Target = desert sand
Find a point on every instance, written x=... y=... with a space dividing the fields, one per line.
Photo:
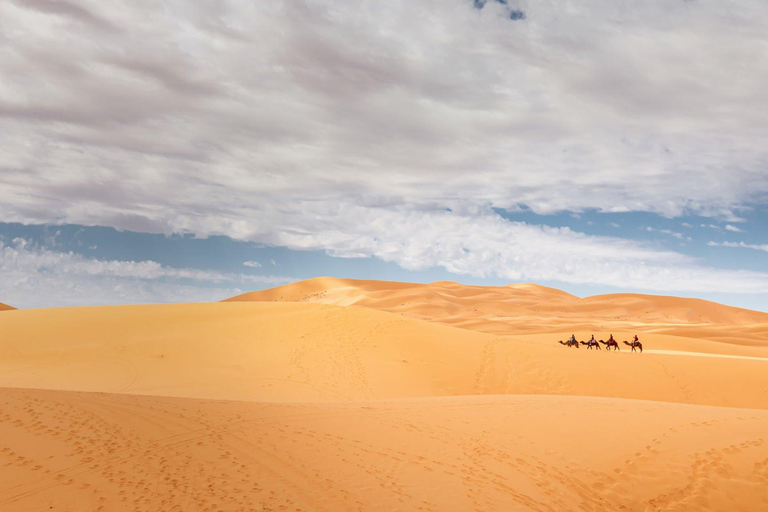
x=334 y=394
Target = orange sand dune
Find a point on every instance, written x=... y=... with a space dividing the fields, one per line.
x=362 y=395
x=523 y=308
x=304 y=352
x=99 y=452
x=6 y=307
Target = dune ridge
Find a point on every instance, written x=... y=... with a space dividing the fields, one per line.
x=522 y=308
x=6 y=307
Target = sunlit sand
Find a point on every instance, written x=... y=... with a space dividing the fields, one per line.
x=336 y=394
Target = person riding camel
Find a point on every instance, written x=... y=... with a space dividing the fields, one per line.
x=593 y=338
x=635 y=344
x=573 y=338
x=611 y=339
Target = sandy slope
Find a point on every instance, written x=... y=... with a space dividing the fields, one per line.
x=6 y=307
x=275 y=351
x=362 y=395
x=97 y=452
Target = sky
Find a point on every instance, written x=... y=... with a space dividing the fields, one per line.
x=188 y=151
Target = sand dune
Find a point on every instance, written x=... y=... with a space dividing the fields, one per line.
x=524 y=308
x=98 y=452
x=6 y=307
x=361 y=395
x=304 y=352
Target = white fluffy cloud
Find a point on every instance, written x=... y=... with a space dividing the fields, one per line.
x=482 y=244
x=39 y=277
x=352 y=126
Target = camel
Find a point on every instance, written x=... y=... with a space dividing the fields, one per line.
x=590 y=344
x=634 y=345
x=610 y=343
x=569 y=343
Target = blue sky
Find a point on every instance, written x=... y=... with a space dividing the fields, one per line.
x=595 y=147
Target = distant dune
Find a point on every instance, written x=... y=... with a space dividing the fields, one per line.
x=334 y=394
x=525 y=308
x=5 y=307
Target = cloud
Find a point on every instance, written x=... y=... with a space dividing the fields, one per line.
x=67 y=10
x=252 y=264
x=484 y=245
x=730 y=227
x=324 y=98
x=313 y=124
x=757 y=247
x=40 y=277
x=669 y=232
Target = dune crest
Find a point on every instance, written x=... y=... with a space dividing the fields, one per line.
x=529 y=308
x=6 y=307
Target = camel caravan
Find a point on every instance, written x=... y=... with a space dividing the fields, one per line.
x=611 y=343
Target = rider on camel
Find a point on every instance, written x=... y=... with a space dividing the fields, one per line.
x=636 y=339
x=611 y=339
x=573 y=338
